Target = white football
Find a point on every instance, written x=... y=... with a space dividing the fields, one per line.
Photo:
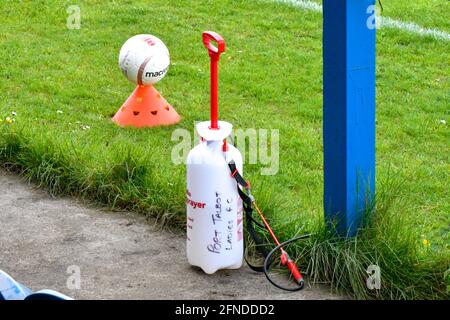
x=144 y=59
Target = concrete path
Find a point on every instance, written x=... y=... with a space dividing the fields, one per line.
x=119 y=255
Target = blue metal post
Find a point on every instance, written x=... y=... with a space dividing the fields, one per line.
x=348 y=113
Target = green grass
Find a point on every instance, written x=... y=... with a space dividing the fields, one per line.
x=47 y=67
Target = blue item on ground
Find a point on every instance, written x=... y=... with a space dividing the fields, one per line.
x=10 y=289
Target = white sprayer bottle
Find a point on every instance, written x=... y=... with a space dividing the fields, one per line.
x=214 y=207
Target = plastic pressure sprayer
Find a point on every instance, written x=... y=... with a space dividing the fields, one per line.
x=214 y=209
x=216 y=198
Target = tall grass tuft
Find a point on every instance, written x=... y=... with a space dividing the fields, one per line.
x=389 y=241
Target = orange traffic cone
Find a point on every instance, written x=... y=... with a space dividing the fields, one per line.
x=146 y=108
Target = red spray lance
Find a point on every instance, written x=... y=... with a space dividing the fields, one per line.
x=235 y=165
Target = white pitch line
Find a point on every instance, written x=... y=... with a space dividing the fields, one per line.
x=411 y=27
x=386 y=22
x=308 y=5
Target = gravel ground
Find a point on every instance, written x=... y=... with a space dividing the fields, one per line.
x=119 y=255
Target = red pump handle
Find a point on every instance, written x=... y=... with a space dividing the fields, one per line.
x=214 y=54
x=213 y=51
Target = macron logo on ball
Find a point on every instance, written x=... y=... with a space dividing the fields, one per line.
x=156 y=74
